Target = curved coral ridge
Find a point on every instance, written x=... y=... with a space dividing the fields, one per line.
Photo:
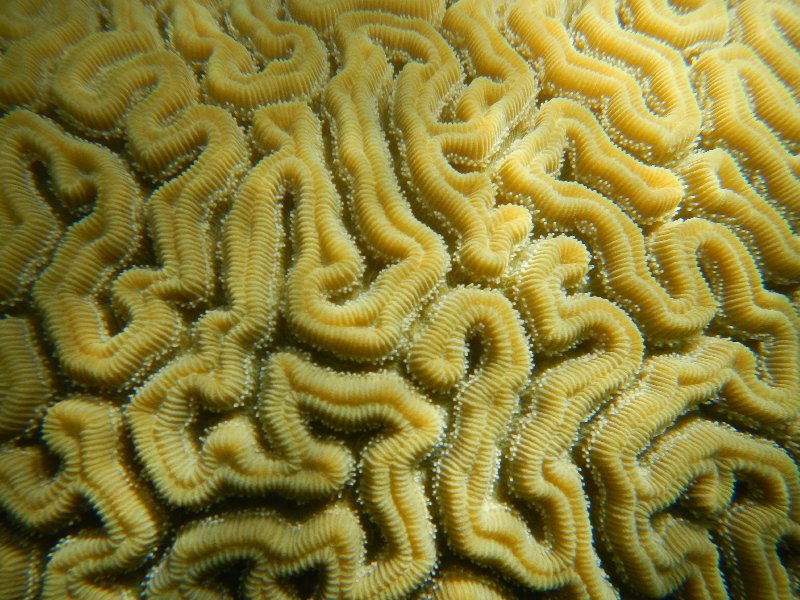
x=410 y=299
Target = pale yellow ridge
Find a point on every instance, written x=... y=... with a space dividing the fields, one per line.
x=33 y=34
x=459 y=583
x=476 y=524
x=389 y=490
x=29 y=227
x=643 y=461
x=565 y=396
x=688 y=300
x=583 y=65
x=85 y=434
x=273 y=548
x=367 y=324
x=772 y=29
x=717 y=190
x=326 y=261
x=697 y=25
x=219 y=372
x=529 y=175
x=26 y=383
x=163 y=130
x=750 y=113
x=89 y=254
x=463 y=203
x=499 y=96
x=21 y=566
x=322 y=14
x=748 y=312
x=232 y=76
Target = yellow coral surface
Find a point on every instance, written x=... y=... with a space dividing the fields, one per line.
x=399 y=299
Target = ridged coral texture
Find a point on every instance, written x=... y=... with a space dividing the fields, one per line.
x=371 y=299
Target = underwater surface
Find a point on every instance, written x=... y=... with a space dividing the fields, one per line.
x=399 y=299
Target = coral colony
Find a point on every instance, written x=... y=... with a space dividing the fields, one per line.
x=399 y=299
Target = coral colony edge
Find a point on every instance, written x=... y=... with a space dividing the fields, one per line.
x=399 y=299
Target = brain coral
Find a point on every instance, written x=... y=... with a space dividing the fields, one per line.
x=399 y=299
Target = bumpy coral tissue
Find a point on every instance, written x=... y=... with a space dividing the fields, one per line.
x=399 y=299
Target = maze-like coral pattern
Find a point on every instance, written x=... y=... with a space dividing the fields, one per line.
x=412 y=299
